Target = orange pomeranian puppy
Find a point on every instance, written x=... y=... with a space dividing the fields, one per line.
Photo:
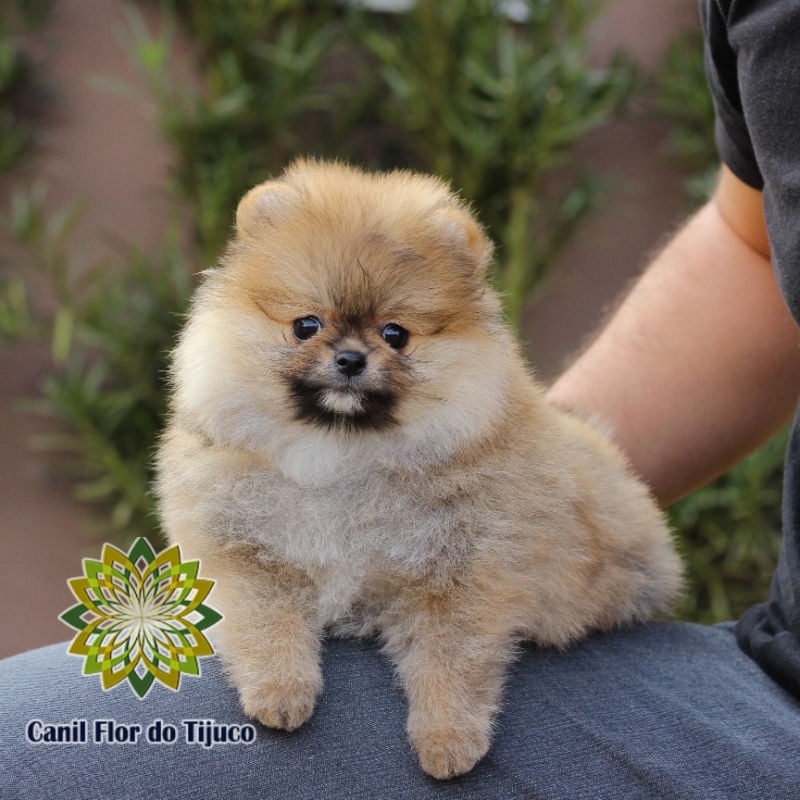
x=356 y=446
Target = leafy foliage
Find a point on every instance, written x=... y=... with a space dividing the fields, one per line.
x=18 y=89
x=492 y=108
x=730 y=536
x=20 y=99
x=256 y=104
x=16 y=319
x=116 y=321
x=453 y=88
x=684 y=98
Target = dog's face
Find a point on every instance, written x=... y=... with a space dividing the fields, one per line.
x=351 y=304
x=348 y=371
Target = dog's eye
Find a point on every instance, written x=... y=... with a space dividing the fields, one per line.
x=306 y=327
x=395 y=336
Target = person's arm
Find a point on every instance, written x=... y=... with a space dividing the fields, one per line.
x=701 y=363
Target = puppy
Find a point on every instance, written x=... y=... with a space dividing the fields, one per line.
x=356 y=446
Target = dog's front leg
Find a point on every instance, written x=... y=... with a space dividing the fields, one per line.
x=452 y=662
x=269 y=637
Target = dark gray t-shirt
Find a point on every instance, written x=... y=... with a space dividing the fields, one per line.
x=753 y=69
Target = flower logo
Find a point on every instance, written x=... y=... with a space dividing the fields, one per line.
x=140 y=617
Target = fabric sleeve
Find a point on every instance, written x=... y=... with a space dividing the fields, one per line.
x=730 y=131
x=753 y=60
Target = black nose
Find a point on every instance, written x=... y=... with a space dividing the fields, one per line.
x=351 y=362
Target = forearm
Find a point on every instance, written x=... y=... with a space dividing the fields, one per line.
x=700 y=364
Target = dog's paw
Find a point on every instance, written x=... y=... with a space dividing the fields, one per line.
x=285 y=705
x=445 y=752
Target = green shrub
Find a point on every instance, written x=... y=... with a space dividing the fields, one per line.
x=19 y=92
x=21 y=98
x=258 y=102
x=730 y=535
x=115 y=323
x=452 y=88
x=493 y=109
x=683 y=97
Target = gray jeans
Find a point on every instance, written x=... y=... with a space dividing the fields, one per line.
x=670 y=711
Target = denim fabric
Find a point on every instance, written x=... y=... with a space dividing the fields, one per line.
x=672 y=711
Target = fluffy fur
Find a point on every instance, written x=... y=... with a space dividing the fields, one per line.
x=436 y=499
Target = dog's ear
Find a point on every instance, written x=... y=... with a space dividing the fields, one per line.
x=264 y=204
x=458 y=226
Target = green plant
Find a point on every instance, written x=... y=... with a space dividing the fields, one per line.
x=19 y=92
x=493 y=107
x=730 y=536
x=253 y=107
x=20 y=98
x=455 y=88
x=683 y=97
x=114 y=325
x=16 y=320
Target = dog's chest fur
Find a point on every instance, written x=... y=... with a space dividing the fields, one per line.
x=353 y=531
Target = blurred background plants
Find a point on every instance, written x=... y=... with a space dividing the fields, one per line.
x=682 y=96
x=257 y=96
x=114 y=322
x=21 y=101
x=20 y=94
x=495 y=107
x=491 y=103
